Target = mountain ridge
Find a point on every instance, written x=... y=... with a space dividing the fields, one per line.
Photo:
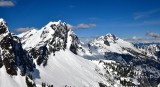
x=54 y=56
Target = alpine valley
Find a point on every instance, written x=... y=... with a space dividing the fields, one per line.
x=54 y=56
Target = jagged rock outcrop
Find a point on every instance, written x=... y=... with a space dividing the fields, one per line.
x=12 y=55
x=55 y=36
x=54 y=55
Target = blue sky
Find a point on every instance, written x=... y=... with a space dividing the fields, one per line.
x=124 y=18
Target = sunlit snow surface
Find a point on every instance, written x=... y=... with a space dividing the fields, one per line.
x=11 y=81
x=66 y=68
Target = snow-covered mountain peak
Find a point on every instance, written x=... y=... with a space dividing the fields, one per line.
x=112 y=36
x=54 y=24
x=3 y=27
x=58 y=31
x=48 y=59
x=111 y=43
x=55 y=36
x=2 y=21
x=108 y=38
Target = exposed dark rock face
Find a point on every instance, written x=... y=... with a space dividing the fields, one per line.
x=148 y=65
x=129 y=63
x=3 y=27
x=42 y=55
x=59 y=38
x=111 y=36
x=101 y=84
x=74 y=46
x=1 y=63
x=9 y=59
x=12 y=54
x=106 y=43
x=56 y=42
x=158 y=55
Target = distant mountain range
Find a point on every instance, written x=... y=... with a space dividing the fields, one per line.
x=54 y=56
x=147 y=44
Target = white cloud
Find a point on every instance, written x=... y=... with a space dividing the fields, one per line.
x=6 y=3
x=145 y=39
x=152 y=34
x=83 y=26
x=135 y=38
x=20 y=30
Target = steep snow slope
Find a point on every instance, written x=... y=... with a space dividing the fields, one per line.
x=54 y=49
x=66 y=68
x=7 y=80
x=54 y=56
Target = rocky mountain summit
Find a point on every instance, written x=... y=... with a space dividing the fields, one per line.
x=54 y=56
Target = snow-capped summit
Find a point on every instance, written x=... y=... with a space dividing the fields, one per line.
x=108 y=38
x=111 y=37
x=21 y=67
x=2 y=22
x=53 y=49
x=111 y=43
x=59 y=31
x=53 y=56
x=3 y=27
x=54 y=36
x=54 y=23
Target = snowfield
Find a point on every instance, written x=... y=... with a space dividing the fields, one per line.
x=11 y=81
x=55 y=56
x=66 y=68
